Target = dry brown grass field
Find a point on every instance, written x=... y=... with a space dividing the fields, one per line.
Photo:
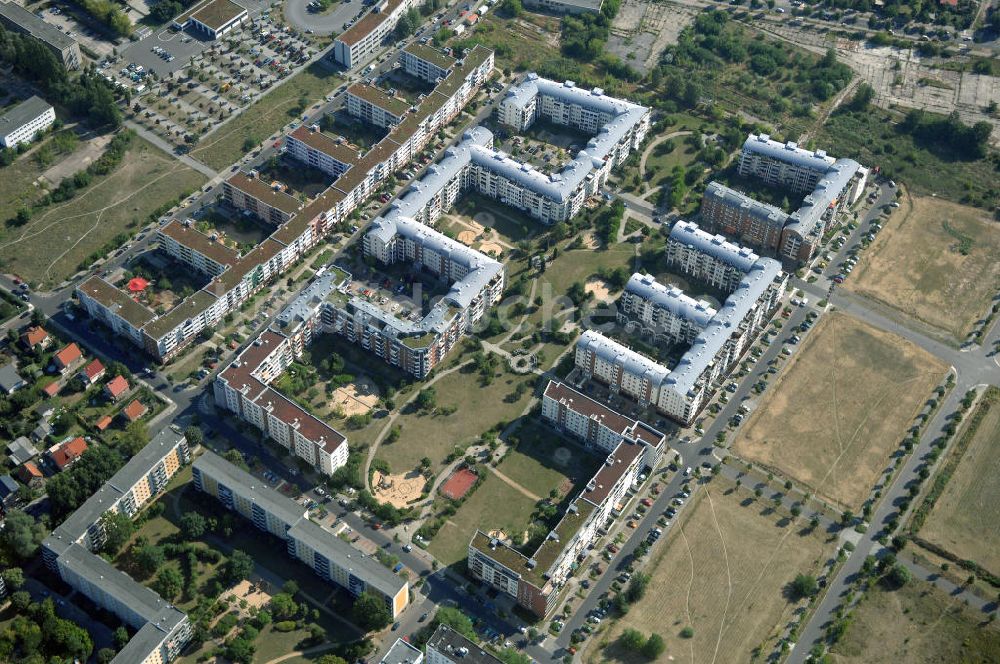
x=722 y=571
x=839 y=409
x=936 y=261
x=964 y=520
x=917 y=624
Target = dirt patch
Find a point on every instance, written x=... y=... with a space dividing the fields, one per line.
x=467 y=237
x=935 y=261
x=398 y=490
x=254 y=595
x=841 y=408
x=590 y=240
x=79 y=160
x=355 y=398
x=599 y=289
x=491 y=248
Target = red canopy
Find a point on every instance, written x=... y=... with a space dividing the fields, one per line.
x=137 y=285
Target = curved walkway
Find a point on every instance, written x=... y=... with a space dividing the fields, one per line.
x=656 y=141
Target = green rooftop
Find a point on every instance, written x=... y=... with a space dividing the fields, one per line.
x=422 y=341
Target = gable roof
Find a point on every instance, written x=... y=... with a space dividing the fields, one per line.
x=67 y=452
x=29 y=471
x=134 y=410
x=103 y=423
x=34 y=335
x=68 y=354
x=51 y=389
x=117 y=386
x=10 y=380
x=21 y=450
x=94 y=369
x=8 y=486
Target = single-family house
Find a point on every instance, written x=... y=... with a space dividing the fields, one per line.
x=8 y=489
x=10 y=380
x=67 y=358
x=42 y=431
x=30 y=474
x=35 y=337
x=68 y=452
x=134 y=410
x=51 y=390
x=45 y=409
x=116 y=387
x=21 y=450
x=92 y=373
x=103 y=423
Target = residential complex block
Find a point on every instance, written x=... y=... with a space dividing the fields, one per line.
x=162 y=630
x=236 y=277
x=425 y=62
x=21 y=123
x=832 y=186
x=331 y=558
x=717 y=338
x=535 y=580
x=268 y=202
x=446 y=646
x=374 y=106
x=16 y=18
x=366 y=36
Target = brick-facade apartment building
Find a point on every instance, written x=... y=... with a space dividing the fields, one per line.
x=237 y=277
x=534 y=580
x=16 y=18
x=717 y=338
x=268 y=202
x=831 y=185
x=162 y=630
x=371 y=30
x=331 y=558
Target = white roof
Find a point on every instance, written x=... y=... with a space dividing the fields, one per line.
x=614 y=352
x=788 y=152
x=670 y=298
x=715 y=246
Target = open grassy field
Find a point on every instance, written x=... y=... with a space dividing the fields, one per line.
x=722 y=571
x=543 y=461
x=266 y=116
x=917 y=624
x=50 y=247
x=841 y=407
x=478 y=409
x=936 y=261
x=964 y=518
x=494 y=505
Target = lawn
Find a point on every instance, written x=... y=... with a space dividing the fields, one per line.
x=494 y=506
x=841 y=407
x=964 y=518
x=664 y=157
x=266 y=116
x=51 y=246
x=543 y=461
x=478 y=408
x=722 y=571
x=918 y=267
x=509 y=223
x=917 y=624
x=871 y=138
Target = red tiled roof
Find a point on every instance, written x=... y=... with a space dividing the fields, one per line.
x=29 y=471
x=117 y=386
x=68 y=452
x=134 y=410
x=68 y=355
x=94 y=369
x=34 y=335
x=103 y=423
x=51 y=389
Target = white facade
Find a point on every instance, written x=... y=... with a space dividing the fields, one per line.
x=20 y=124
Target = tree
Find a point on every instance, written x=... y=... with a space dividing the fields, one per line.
x=632 y=639
x=235 y=457
x=150 y=558
x=369 y=612
x=240 y=649
x=22 y=534
x=284 y=606
x=654 y=646
x=20 y=600
x=426 y=399
x=193 y=434
x=687 y=633
x=193 y=525
x=105 y=655
x=898 y=576
x=238 y=567
x=862 y=97
x=331 y=659
x=120 y=637
x=803 y=586
x=457 y=620
x=118 y=529
x=511 y=656
x=13 y=578
x=168 y=583
x=290 y=587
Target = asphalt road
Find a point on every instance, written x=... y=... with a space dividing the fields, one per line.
x=298 y=14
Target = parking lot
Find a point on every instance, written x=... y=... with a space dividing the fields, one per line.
x=91 y=38
x=184 y=88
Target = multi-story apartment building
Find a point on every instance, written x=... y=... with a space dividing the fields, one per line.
x=236 y=278
x=535 y=580
x=162 y=629
x=114 y=308
x=330 y=557
x=832 y=185
x=425 y=62
x=725 y=210
x=708 y=258
x=721 y=339
x=270 y=203
x=21 y=123
x=364 y=37
x=16 y=18
x=374 y=106
x=243 y=388
x=662 y=313
x=401 y=652
x=446 y=646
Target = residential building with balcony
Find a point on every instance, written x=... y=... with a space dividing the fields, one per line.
x=248 y=193
x=16 y=18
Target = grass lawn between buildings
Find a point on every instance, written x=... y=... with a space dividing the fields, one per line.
x=917 y=624
x=840 y=408
x=936 y=261
x=51 y=245
x=963 y=521
x=266 y=116
x=722 y=570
